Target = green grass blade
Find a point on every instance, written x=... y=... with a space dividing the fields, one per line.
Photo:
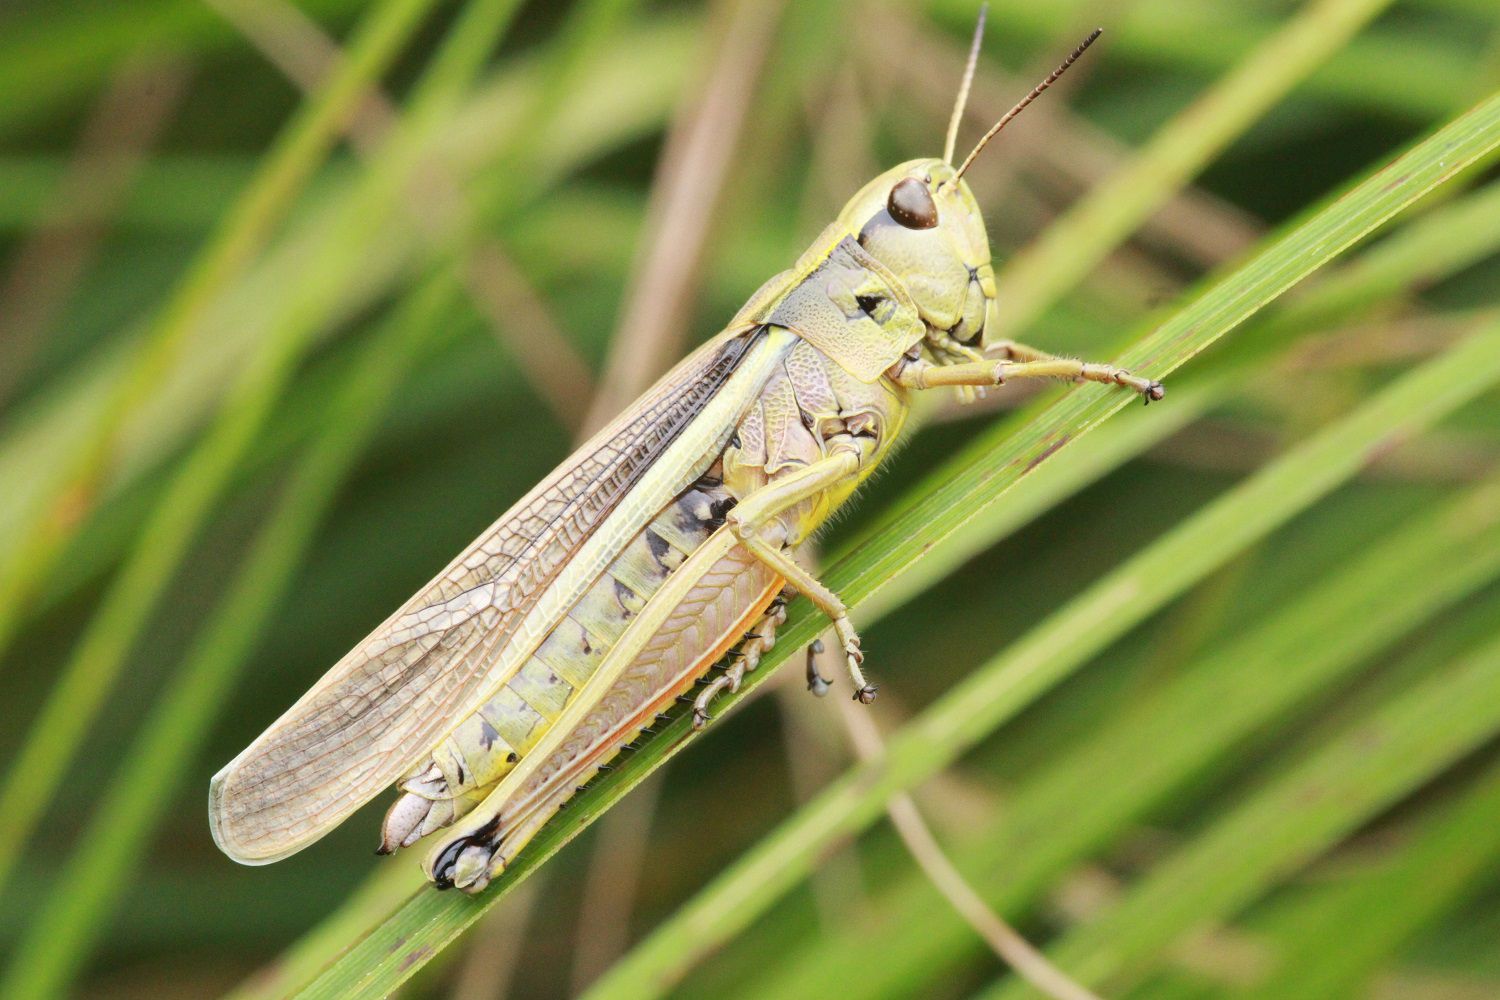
x=1084 y=461
x=1372 y=763
x=1041 y=273
x=1427 y=250
x=87 y=678
x=627 y=104
x=1444 y=864
x=384 y=892
x=54 y=52
x=96 y=875
x=396 y=945
x=58 y=939
x=1384 y=71
x=1047 y=654
x=1421 y=253
x=1135 y=761
x=977 y=477
x=242 y=235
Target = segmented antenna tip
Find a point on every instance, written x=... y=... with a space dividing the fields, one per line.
x=1023 y=102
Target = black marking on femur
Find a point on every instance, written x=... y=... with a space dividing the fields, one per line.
x=442 y=870
x=911 y=204
x=512 y=757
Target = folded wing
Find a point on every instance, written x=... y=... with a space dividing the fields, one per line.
x=386 y=703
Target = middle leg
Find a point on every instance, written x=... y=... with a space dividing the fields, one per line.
x=754 y=517
x=826 y=601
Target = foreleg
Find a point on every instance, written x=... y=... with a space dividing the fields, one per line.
x=926 y=375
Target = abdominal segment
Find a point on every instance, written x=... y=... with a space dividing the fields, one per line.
x=484 y=747
x=734 y=596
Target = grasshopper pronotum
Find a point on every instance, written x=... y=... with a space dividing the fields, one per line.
x=663 y=543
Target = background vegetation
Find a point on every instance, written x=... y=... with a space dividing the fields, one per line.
x=295 y=299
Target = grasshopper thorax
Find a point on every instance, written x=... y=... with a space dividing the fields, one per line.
x=921 y=221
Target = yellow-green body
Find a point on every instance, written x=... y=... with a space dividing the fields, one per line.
x=611 y=588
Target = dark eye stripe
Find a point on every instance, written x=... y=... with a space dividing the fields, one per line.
x=911 y=205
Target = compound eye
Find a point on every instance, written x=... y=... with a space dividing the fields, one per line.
x=911 y=205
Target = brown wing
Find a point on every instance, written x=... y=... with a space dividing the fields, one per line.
x=368 y=720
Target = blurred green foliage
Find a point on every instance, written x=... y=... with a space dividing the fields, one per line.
x=1206 y=704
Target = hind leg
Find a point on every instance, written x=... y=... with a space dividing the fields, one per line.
x=757 y=643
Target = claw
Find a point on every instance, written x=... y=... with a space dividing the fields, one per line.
x=701 y=717
x=864 y=690
x=1150 y=389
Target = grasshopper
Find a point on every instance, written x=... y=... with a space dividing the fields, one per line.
x=664 y=543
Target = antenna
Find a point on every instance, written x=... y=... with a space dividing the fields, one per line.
x=1021 y=104
x=963 y=88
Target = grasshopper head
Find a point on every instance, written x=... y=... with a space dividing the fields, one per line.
x=921 y=221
